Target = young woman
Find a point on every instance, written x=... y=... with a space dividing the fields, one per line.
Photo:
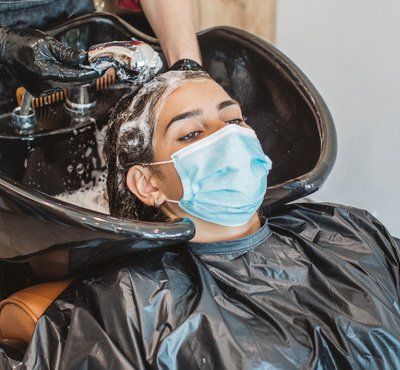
x=182 y=148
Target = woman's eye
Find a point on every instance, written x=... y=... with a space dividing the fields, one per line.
x=237 y=121
x=194 y=134
x=190 y=135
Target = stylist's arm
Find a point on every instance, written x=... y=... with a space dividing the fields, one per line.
x=173 y=23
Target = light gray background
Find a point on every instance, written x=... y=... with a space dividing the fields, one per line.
x=350 y=50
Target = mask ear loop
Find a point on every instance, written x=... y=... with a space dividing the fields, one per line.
x=156 y=163
x=130 y=164
x=172 y=201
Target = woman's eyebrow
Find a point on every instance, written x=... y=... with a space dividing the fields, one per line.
x=192 y=113
x=227 y=103
x=198 y=112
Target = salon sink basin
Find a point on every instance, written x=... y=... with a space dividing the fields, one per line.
x=288 y=114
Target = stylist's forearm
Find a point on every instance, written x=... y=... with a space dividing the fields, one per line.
x=173 y=23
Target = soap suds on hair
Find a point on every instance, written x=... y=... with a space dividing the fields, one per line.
x=171 y=81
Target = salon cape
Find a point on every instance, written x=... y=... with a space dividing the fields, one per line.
x=316 y=287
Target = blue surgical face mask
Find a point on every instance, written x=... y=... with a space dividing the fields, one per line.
x=224 y=176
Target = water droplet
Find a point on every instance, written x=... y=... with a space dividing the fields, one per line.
x=79 y=168
x=88 y=152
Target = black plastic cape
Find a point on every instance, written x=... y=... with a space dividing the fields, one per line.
x=318 y=288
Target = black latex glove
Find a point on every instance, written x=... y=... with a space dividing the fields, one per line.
x=41 y=62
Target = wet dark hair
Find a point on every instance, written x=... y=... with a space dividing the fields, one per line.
x=129 y=142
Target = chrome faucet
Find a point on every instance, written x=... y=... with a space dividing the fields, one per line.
x=24 y=117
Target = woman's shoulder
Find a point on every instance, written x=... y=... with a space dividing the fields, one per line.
x=326 y=216
x=318 y=209
x=146 y=273
x=337 y=228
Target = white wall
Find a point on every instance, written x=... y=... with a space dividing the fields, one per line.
x=350 y=50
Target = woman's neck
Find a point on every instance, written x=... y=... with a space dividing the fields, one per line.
x=207 y=232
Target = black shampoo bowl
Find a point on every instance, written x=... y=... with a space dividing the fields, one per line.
x=287 y=112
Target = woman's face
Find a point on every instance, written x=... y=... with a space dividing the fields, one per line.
x=193 y=111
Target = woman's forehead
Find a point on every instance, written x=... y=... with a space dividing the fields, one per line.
x=193 y=94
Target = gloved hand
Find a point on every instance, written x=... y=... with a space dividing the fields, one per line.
x=41 y=62
x=135 y=61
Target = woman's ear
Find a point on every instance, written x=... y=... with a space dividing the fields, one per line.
x=140 y=182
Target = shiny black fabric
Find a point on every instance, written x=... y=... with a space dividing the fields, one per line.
x=316 y=287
